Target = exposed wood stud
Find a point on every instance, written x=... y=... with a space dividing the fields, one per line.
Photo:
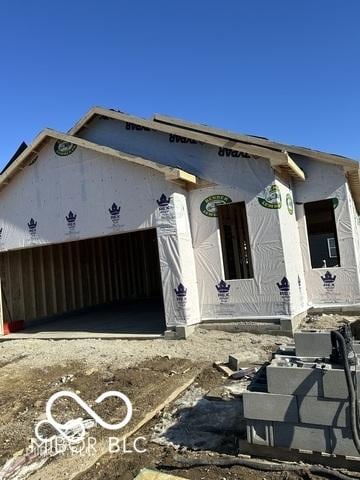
x=32 y=285
x=53 y=282
x=53 y=279
x=95 y=283
x=71 y=275
x=62 y=273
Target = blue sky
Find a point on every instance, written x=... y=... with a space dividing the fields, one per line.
x=288 y=70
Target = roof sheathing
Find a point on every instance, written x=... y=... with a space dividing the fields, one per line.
x=278 y=159
x=29 y=154
x=253 y=140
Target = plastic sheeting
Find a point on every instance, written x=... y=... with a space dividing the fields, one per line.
x=336 y=285
x=278 y=238
x=265 y=294
x=84 y=194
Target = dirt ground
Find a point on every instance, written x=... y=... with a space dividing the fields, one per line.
x=147 y=371
x=204 y=345
x=326 y=322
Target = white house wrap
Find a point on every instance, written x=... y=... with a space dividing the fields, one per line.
x=113 y=174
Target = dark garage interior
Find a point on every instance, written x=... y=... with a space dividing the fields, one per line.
x=109 y=284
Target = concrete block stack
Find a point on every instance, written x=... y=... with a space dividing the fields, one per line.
x=304 y=404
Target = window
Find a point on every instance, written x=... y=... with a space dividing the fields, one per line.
x=332 y=247
x=321 y=228
x=235 y=241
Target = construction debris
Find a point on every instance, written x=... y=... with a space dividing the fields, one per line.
x=261 y=465
x=146 y=474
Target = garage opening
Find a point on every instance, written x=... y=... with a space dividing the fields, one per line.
x=109 y=285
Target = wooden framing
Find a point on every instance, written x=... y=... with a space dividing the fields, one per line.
x=2 y=318
x=54 y=279
x=27 y=156
x=253 y=140
x=276 y=155
x=235 y=241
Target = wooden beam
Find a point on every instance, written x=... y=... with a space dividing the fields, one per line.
x=1 y=310
x=103 y=445
x=100 y=260
x=108 y=270
x=194 y=135
x=53 y=279
x=115 y=269
x=32 y=284
x=94 y=274
x=79 y=275
x=62 y=278
x=178 y=174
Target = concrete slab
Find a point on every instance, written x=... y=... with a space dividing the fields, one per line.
x=143 y=319
x=251 y=325
x=336 y=308
x=78 y=335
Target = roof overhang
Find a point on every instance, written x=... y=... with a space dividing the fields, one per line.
x=279 y=159
x=260 y=141
x=353 y=178
x=28 y=156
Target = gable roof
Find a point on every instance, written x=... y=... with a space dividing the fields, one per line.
x=279 y=159
x=277 y=153
x=18 y=152
x=30 y=153
x=261 y=141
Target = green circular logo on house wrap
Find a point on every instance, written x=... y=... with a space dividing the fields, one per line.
x=209 y=205
x=271 y=197
x=289 y=203
x=64 y=148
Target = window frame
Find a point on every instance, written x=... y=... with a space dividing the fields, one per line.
x=243 y=269
x=330 y=247
x=334 y=233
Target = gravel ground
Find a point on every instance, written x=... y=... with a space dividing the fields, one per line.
x=326 y=322
x=203 y=345
x=31 y=370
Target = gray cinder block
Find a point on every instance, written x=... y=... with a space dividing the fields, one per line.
x=270 y=406
x=304 y=437
x=334 y=384
x=235 y=361
x=322 y=411
x=184 y=331
x=313 y=344
x=356 y=347
x=260 y=433
x=341 y=442
x=294 y=380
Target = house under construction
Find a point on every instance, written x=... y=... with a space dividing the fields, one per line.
x=175 y=224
